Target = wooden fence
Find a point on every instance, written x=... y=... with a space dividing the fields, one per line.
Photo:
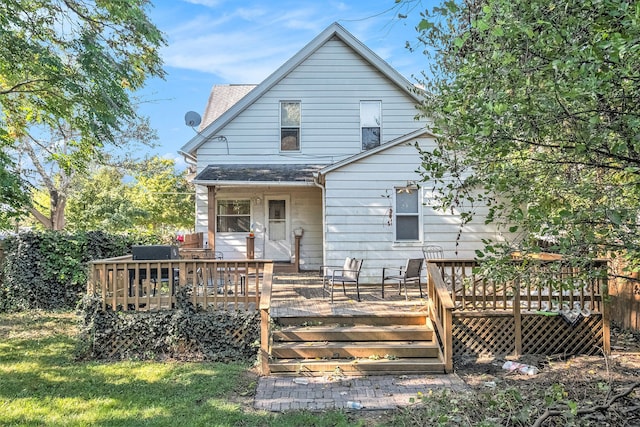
x=126 y=284
x=625 y=298
x=552 y=308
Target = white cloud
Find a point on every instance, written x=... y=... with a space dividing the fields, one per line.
x=248 y=43
x=207 y=3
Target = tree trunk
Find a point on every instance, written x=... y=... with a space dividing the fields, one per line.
x=57 y=212
x=56 y=221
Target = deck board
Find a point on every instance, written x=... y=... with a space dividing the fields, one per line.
x=300 y=294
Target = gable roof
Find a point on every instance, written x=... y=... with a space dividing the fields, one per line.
x=221 y=98
x=334 y=30
x=364 y=154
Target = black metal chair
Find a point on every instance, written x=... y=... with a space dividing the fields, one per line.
x=410 y=273
x=348 y=273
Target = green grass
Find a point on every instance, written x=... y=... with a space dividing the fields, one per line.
x=42 y=385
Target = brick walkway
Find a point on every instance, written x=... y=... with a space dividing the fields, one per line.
x=279 y=394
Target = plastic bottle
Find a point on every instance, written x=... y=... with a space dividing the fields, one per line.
x=520 y=367
x=354 y=405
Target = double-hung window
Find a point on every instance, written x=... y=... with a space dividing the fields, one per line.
x=370 y=123
x=407 y=214
x=233 y=216
x=289 y=125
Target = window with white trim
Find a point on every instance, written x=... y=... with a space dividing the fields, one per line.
x=290 y=125
x=233 y=216
x=370 y=123
x=407 y=214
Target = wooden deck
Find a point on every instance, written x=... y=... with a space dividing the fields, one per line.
x=300 y=295
x=313 y=336
x=461 y=312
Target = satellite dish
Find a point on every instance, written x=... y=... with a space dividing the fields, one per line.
x=192 y=119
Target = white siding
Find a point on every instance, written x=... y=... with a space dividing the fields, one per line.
x=305 y=211
x=330 y=84
x=358 y=199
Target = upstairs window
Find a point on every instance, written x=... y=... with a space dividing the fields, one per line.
x=407 y=214
x=233 y=216
x=370 y=122
x=290 y=126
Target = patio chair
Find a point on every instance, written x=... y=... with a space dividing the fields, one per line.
x=432 y=252
x=410 y=273
x=436 y=252
x=348 y=273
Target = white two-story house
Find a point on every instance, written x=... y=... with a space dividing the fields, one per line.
x=325 y=146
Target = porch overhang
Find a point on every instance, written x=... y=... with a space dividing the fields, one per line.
x=234 y=175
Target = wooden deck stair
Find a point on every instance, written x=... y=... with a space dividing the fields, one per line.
x=355 y=345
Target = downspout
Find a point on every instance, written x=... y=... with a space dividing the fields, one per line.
x=317 y=177
x=189 y=158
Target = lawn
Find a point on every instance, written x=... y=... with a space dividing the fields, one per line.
x=42 y=385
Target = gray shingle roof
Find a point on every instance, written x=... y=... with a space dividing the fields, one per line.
x=281 y=173
x=221 y=98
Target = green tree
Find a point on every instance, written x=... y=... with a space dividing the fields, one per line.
x=535 y=104
x=164 y=195
x=70 y=64
x=48 y=158
x=101 y=200
x=143 y=196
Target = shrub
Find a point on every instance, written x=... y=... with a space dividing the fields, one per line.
x=48 y=270
x=184 y=333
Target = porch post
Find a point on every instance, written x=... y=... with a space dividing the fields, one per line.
x=298 y=233
x=211 y=217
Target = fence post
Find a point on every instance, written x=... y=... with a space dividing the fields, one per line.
x=517 y=317
x=605 y=302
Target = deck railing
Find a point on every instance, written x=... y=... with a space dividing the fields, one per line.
x=459 y=290
x=544 y=285
x=126 y=284
x=441 y=307
x=265 y=318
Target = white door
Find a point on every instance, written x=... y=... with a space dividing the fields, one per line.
x=277 y=244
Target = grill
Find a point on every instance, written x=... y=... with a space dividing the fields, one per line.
x=154 y=252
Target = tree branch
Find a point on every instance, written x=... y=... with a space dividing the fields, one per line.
x=598 y=408
x=15 y=87
x=41 y=218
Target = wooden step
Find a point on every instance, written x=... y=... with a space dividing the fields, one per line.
x=354 y=319
x=357 y=367
x=345 y=350
x=354 y=333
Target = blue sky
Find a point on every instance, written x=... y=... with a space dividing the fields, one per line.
x=228 y=41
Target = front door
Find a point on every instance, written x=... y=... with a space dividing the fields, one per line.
x=277 y=241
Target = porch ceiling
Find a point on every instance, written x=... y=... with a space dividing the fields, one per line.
x=293 y=174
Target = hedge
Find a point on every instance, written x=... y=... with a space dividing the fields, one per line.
x=48 y=270
x=183 y=333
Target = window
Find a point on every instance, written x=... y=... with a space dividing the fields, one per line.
x=233 y=216
x=290 y=126
x=407 y=213
x=370 y=121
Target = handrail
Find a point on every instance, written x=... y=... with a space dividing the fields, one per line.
x=265 y=318
x=440 y=312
